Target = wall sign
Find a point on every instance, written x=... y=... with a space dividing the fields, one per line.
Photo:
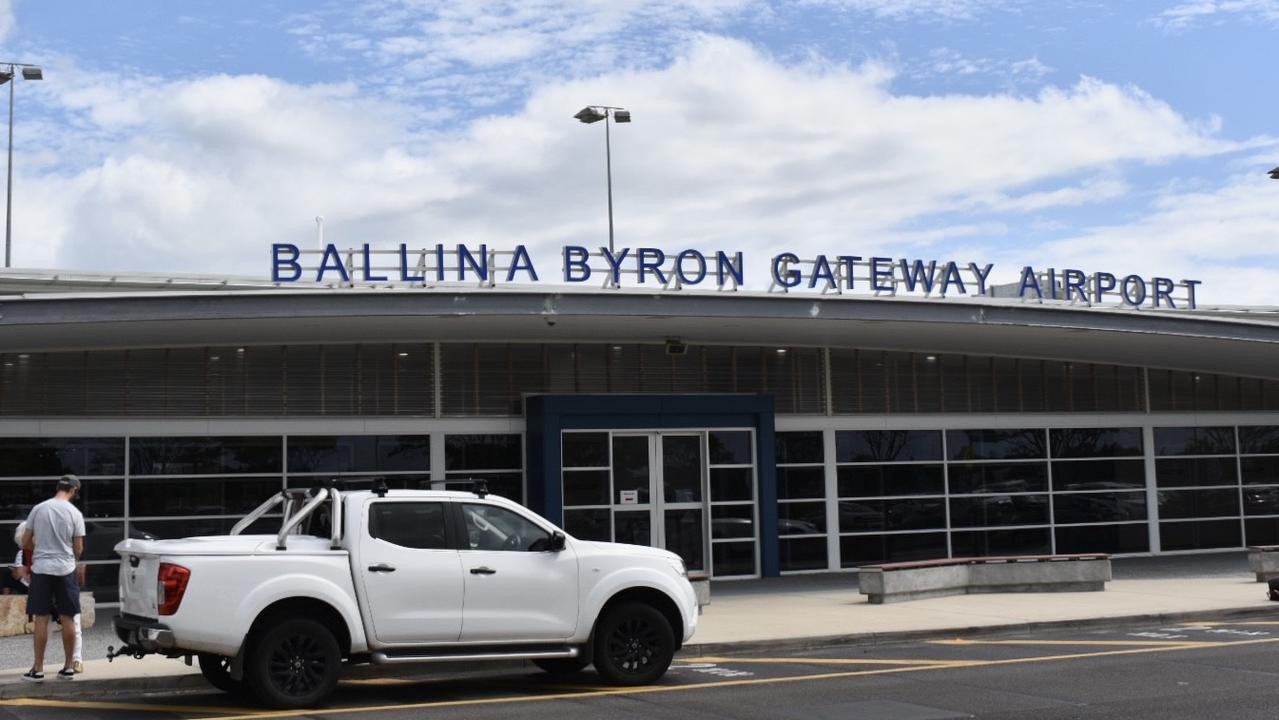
x=721 y=270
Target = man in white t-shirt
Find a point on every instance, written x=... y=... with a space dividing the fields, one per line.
x=21 y=572
x=55 y=535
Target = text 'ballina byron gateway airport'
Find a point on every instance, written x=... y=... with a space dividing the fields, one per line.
x=850 y=410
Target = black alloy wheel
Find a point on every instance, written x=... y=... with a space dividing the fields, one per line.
x=217 y=671
x=634 y=645
x=294 y=664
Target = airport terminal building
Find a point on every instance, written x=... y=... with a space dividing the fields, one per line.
x=754 y=433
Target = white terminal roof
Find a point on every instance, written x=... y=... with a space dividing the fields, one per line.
x=50 y=310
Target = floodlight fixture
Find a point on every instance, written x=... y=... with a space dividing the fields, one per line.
x=1274 y=174
x=593 y=114
x=29 y=72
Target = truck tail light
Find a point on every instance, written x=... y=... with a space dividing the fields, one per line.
x=172 y=585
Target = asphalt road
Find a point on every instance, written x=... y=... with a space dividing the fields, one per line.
x=1184 y=671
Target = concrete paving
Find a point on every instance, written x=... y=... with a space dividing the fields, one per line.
x=799 y=610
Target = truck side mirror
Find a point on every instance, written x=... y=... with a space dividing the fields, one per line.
x=557 y=541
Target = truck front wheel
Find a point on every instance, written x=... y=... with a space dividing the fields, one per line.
x=294 y=664
x=634 y=644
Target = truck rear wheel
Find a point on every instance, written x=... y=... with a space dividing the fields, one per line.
x=634 y=644
x=294 y=664
x=217 y=671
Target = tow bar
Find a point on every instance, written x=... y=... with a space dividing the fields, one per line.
x=133 y=651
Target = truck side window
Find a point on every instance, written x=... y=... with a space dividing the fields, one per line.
x=493 y=528
x=409 y=524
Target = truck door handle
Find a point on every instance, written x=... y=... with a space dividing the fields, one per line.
x=483 y=571
x=381 y=567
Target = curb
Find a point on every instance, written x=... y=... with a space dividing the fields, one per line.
x=901 y=636
x=191 y=682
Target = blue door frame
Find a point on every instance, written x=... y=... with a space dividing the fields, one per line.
x=547 y=416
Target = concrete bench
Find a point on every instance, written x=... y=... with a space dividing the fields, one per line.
x=13 y=614
x=895 y=582
x=701 y=583
x=1264 y=561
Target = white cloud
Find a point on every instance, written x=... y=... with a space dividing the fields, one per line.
x=1189 y=14
x=729 y=149
x=7 y=20
x=898 y=9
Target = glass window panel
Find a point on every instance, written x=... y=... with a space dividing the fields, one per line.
x=681 y=468
x=802 y=518
x=1194 y=441
x=100 y=539
x=98 y=498
x=860 y=550
x=482 y=452
x=806 y=482
x=1099 y=474
x=150 y=497
x=732 y=521
x=509 y=485
x=34 y=457
x=630 y=467
x=403 y=453
x=633 y=527
x=998 y=510
x=1113 y=539
x=1199 y=535
x=685 y=536
x=419 y=526
x=586 y=487
x=733 y=558
x=1198 y=503
x=1261 y=501
x=1260 y=470
x=1196 y=471
x=887 y=445
x=799 y=447
x=1261 y=439
x=1099 y=507
x=1261 y=531
x=995 y=444
x=730 y=447
x=998 y=478
x=983 y=543
x=204 y=455
x=904 y=514
x=586 y=450
x=1095 y=442
x=489 y=527
x=879 y=480
x=197 y=527
x=732 y=484
x=802 y=554
x=588 y=524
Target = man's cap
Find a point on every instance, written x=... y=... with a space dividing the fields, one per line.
x=68 y=482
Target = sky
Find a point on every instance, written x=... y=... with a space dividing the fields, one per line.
x=1128 y=137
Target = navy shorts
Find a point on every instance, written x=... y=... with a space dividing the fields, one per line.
x=53 y=595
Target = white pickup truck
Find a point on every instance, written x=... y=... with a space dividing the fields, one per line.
x=401 y=576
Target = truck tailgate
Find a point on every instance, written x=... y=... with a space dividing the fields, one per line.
x=139 y=579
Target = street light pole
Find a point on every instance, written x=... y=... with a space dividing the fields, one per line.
x=29 y=72
x=595 y=113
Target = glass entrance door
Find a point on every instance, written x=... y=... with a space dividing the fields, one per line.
x=688 y=491
x=659 y=491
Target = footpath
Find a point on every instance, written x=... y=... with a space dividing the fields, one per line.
x=792 y=613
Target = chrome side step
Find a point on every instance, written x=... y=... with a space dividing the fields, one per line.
x=381 y=658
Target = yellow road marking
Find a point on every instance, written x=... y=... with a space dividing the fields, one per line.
x=99 y=705
x=1214 y=624
x=728 y=683
x=1086 y=643
x=827 y=661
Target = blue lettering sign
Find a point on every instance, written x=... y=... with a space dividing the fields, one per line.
x=615 y=263
x=1102 y=283
x=914 y=274
x=982 y=274
x=405 y=276
x=1074 y=281
x=368 y=267
x=291 y=262
x=575 y=267
x=733 y=267
x=849 y=261
x=951 y=276
x=654 y=265
x=782 y=274
x=1134 y=290
x=701 y=267
x=331 y=261
x=521 y=261
x=877 y=272
x=821 y=271
x=1029 y=280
